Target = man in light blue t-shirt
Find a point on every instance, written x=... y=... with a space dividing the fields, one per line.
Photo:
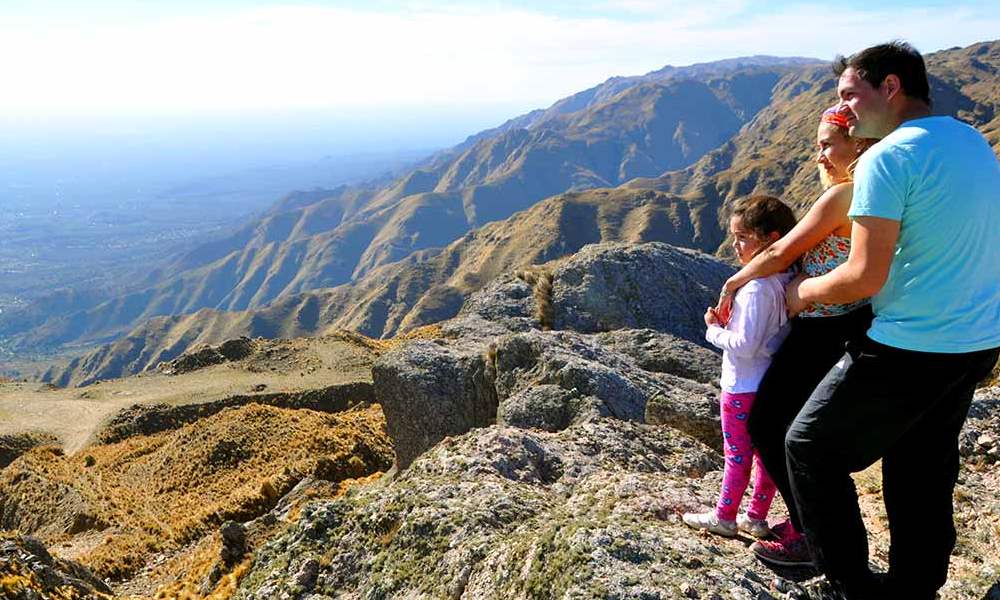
x=925 y=246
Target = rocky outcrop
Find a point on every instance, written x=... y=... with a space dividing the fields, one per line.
x=427 y=392
x=664 y=353
x=590 y=511
x=596 y=381
x=206 y=356
x=494 y=364
x=624 y=286
x=29 y=572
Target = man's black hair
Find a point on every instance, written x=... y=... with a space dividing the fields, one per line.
x=895 y=58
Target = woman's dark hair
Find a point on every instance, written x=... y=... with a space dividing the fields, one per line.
x=764 y=214
x=895 y=58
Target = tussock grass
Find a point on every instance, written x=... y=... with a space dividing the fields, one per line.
x=426 y=332
x=163 y=492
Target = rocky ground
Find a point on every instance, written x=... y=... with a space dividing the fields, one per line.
x=559 y=462
x=545 y=443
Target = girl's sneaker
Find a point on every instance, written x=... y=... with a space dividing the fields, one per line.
x=711 y=522
x=789 y=551
x=755 y=527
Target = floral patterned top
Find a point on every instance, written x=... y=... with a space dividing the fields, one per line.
x=820 y=260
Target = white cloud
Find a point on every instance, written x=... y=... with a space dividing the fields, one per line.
x=303 y=57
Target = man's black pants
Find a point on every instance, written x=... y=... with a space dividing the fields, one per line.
x=906 y=408
x=812 y=348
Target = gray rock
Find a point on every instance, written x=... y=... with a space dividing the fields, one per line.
x=547 y=407
x=665 y=353
x=429 y=391
x=637 y=286
x=234 y=542
x=305 y=578
x=587 y=371
x=506 y=301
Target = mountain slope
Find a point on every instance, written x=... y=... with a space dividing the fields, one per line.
x=771 y=154
x=424 y=288
x=625 y=128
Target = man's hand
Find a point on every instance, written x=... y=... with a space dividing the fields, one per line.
x=793 y=301
x=711 y=317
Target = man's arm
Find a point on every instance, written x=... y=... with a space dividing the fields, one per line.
x=873 y=246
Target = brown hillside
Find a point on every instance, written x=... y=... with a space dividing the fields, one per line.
x=774 y=152
x=117 y=506
x=419 y=290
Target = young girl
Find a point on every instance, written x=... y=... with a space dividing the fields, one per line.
x=748 y=337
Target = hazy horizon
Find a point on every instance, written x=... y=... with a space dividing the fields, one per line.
x=121 y=57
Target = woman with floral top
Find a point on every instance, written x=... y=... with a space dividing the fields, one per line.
x=819 y=242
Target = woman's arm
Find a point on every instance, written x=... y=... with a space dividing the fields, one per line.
x=825 y=216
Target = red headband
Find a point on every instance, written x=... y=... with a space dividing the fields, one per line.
x=834 y=116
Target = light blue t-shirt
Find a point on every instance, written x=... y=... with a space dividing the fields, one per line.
x=939 y=178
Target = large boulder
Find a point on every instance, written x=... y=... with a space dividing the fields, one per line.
x=428 y=391
x=636 y=286
x=506 y=304
x=493 y=362
x=665 y=353
x=543 y=379
x=594 y=381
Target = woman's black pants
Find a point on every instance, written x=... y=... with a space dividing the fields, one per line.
x=812 y=348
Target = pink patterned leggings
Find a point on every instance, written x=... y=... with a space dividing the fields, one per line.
x=739 y=453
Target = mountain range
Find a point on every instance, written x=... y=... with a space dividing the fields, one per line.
x=658 y=157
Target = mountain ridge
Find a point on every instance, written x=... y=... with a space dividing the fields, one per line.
x=398 y=287
x=314 y=242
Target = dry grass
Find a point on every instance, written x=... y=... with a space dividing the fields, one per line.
x=426 y=332
x=185 y=573
x=163 y=492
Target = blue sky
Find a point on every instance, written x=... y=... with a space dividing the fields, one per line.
x=113 y=57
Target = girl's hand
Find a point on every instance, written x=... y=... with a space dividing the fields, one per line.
x=725 y=307
x=711 y=317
